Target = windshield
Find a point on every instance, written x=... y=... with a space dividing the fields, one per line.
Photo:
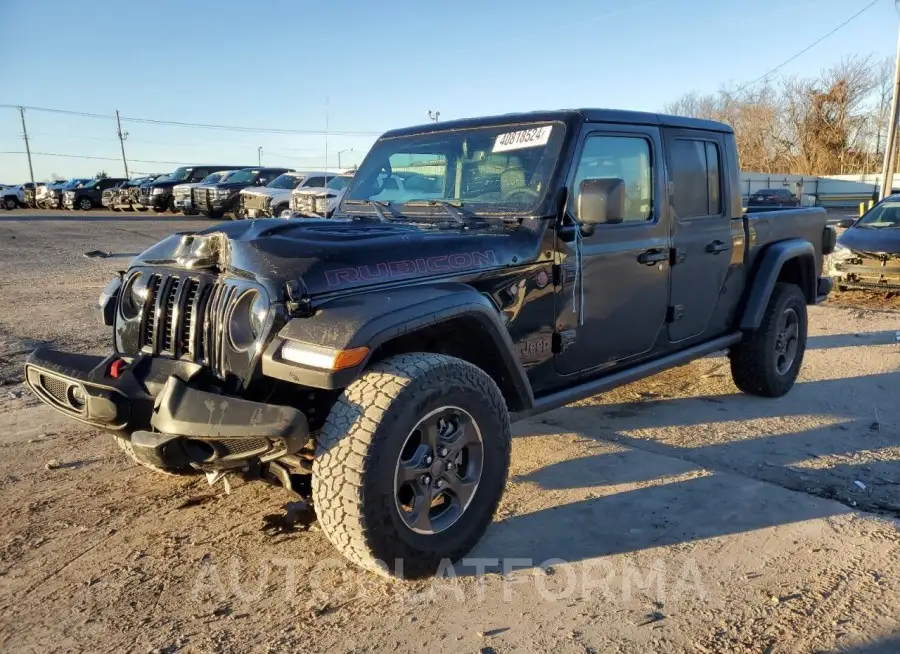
x=886 y=214
x=339 y=183
x=286 y=181
x=215 y=177
x=242 y=177
x=499 y=169
x=178 y=175
x=91 y=184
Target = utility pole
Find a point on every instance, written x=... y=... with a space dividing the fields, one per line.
x=259 y=156
x=890 y=147
x=122 y=136
x=340 y=152
x=326 y=135
x=27 y=147
x=434 y=116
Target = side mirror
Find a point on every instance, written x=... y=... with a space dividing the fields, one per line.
x=261 y=181
x=844 y=223
x=601 y=201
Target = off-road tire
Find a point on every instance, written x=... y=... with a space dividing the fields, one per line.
x=359 y=446
x=753 y=362
x=126 y=446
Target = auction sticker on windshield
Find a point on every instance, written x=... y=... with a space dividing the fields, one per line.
x=526 y=138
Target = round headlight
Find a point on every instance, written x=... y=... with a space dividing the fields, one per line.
x=248 y=316
x=133 y=296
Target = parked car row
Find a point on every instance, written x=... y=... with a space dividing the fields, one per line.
x=211 y=190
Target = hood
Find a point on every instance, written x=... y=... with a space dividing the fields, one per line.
x=316 y=192
x=871 y=240
x=336 y=255
x=263 y=190
x=169 y=185
x=185 y=185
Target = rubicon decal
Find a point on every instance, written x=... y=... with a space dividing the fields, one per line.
x=405 y=267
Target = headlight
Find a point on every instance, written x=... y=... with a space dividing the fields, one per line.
x=158 y=191
x=134 y=294
x=322 y=205
x=222 y=192
x=246 y=321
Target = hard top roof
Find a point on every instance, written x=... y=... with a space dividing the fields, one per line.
x=569 y=116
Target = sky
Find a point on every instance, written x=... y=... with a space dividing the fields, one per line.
x=365 y=66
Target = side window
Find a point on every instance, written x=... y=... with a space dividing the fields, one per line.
x=315 y=182
x=198 y=174
x=625 y=157
x=697 y=177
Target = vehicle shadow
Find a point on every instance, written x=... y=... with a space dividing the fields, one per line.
x=674 y=489
x=888 y=337
x=888 y=645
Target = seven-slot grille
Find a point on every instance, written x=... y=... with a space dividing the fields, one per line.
x=145 y=194
x=184 y=318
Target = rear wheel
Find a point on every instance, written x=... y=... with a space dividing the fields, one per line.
x=768 y=363
x=411 y=464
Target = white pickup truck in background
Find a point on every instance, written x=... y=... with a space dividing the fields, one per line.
x=275 y=198
x=319 y=202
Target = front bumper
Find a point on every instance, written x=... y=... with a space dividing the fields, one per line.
x=68 y=203
x=154 y=201
x=158 y=404
x=867 y=274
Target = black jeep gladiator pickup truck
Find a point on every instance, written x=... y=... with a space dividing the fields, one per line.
x=379 y=357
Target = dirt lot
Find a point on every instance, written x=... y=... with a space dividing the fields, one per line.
x=672 y=515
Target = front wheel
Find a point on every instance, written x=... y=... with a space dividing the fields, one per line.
x=411 y=464
x=769 y=362
x=10 y=203
x=85 y=204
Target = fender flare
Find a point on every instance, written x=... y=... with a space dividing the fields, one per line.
x=765 y=276
x=373 y=318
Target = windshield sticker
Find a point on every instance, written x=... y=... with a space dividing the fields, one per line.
x=526 y=138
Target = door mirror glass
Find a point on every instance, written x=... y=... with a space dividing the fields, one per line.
x=845 y=222
x=601 y=201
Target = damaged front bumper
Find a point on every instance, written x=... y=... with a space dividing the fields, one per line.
x=160 y=406
x=867 y=273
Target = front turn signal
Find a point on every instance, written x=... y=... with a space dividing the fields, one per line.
x=324 y=358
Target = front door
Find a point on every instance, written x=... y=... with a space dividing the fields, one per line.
x=617 y=309
x=701 y=232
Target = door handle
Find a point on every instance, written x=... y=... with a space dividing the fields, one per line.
x=717 y=246
x=653 y=257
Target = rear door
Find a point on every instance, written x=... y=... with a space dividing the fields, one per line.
x=701 y=230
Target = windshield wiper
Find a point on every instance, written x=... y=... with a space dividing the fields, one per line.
x=452 y=207
x=377 y=205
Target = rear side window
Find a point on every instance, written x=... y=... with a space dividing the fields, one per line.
x=315 y=182
x=199 y=174
x=697 y=176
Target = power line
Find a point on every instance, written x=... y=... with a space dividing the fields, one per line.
x=175 y=123
x=810 y=46
x=84 y=156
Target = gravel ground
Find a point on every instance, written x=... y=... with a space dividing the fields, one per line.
x=670 y=515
